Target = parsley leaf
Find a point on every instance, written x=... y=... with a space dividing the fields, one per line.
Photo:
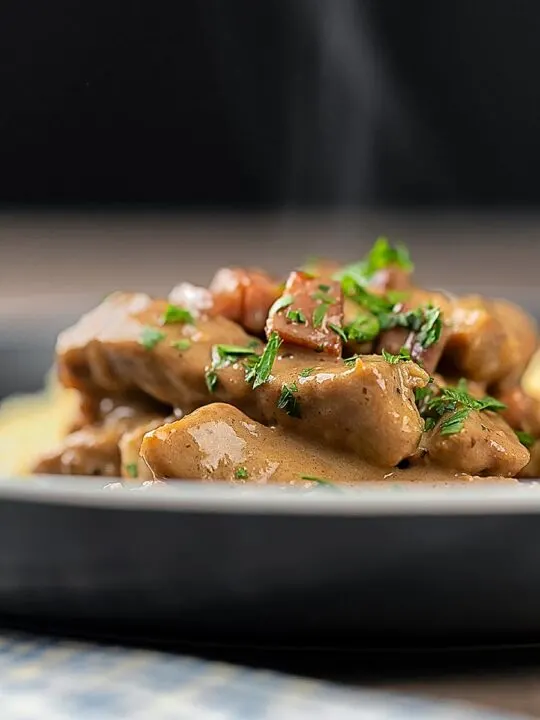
x=431 y=327
x=525 y=438
x=281 y=303
x=363 y=328
x=323 y=296
x=376 y=304
x=288 y=401
x=404 y=354
x=150 y=337
x=175 y=314
x=422 y=397
x=425 y=322
x=258 y=372
x=339 y=331
x=224 y=355
x=296 y=316
x=318 y=480
x=231 y=353
x=182 y=344
x=306 y=372
x=319 y=314
x=454 y=422
x=456 y=403
x=211 y=379
x=132 y=469
x=241 y=473
x=381 y=256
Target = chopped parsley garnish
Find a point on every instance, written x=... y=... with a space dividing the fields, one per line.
x=306 y=372
x=296 y=316
x=150 y=337
x=431 y=327
x=241 y=473
x=231 y=353
x=363 y=328
x=525 y=438
x=351 y=360
x=456 y=404
x=182 y=344
x=381 y=256
x=175 y=314
x=318 y=480
x=339 y=331
x=132 y=470
x=375 y=304
x=323 y=296
x=224 y=355
x=404 y=354
x=423 y=396
x=258 y=372
x=211 y=379
x=425 y=322
x=288 y=401
x=319 y=314
x=281 y=303
x=324 y=288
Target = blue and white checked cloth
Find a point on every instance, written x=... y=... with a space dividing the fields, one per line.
x=46 y=679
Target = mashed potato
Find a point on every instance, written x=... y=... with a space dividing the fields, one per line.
x=30 y=425
x=531 y=377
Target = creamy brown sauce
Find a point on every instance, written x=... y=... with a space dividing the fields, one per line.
x=313 y=414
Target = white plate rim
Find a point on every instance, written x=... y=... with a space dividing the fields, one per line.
x=364 y=501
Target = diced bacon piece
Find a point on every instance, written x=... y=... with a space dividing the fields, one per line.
x=244 y=296
x=308 y=313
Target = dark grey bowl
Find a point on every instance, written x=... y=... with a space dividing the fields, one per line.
x=266 y=567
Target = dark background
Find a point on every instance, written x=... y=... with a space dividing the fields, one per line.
x=270 y=103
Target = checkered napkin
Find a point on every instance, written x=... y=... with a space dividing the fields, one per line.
x=46 y=679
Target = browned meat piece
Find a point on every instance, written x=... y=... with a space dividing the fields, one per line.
x=219 y=443
x=522 y=411
x=490 y=341
x=366 y=407
x=521 y=339
x=94 y=449
x=308 y=313
x=485 y=446
x=94 y=409
x=244 y=296
x=123 y=346
x=532 y=470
